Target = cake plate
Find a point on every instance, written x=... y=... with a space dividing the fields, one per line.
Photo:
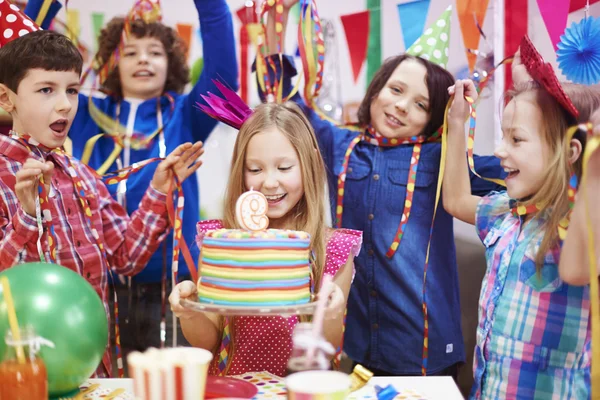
x=300 y=309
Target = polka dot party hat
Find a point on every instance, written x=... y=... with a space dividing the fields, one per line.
x=433 y=43
x=13 y=23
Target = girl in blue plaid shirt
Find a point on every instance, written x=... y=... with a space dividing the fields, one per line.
x=533 y=336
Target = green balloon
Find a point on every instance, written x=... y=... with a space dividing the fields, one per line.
x=65 y=309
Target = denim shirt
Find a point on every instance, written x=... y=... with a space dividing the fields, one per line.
x=385 y=324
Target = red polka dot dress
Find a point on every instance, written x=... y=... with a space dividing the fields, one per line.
x=265 y=343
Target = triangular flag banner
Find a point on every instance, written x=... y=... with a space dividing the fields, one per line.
x=470 y=11
x=97 y=24
x=433 y=44
x=579 y=4
x=412 y=20
x=73 y=25
x=356 y=27
x=185 y=33
x=374 y=47
x=555 y=14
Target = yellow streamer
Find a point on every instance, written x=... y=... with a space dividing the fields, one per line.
x=591 y=146
x=43 y=12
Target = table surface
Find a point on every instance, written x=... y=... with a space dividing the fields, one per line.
x=416 y=387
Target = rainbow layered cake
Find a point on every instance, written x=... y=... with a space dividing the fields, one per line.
x=249 y=269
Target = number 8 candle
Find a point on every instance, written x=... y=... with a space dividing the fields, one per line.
x=250 y=211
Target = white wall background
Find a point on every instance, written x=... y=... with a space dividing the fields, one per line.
x=217 y=157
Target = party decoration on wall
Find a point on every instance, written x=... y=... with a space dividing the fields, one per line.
x=356 y=28
x=579 y=4
x=64 y=309
x=515 y=16
x=97 y=24
x=185 y=33
x=578 y=53
x=329 y=100
x=433 y=44
x=196 y=70
x=73 y=26
x=247 y=15
x=554 y=14
x=374 y=49
x=412 y=20
x=471 y=14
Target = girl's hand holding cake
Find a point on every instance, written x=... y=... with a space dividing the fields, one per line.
x=184 y=290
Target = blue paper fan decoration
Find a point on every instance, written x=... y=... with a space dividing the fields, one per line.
x=578 y=53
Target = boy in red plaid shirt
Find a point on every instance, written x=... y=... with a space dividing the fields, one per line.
x=39 y=85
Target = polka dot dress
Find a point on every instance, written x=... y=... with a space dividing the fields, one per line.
x=265 y=343
x=13 y=23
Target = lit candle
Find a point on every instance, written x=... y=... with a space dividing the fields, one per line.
x=250 y=211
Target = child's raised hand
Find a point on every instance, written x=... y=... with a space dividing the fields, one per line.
x=183 y=290
x=287 y=4
x=26 y=186
x=459 y=109
x=518 y=71
x=183 y=161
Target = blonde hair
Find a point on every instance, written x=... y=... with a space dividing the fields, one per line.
x=553 y=130
x=309 y=212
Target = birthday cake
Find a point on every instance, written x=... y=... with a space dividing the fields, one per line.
x=254 y=268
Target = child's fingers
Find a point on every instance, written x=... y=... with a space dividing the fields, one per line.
x=191 y=155
x=27 y=173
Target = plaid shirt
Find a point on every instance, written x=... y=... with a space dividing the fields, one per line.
x=129 y=242
x=533 y=334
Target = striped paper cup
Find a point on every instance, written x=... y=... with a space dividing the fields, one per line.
x=169 y=374
x=318 y=385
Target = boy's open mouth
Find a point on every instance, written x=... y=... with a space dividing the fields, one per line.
x=59 y=126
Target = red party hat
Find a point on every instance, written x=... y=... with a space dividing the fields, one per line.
x=543 y=73
x=13 y=23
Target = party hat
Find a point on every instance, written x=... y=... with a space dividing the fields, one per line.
x=433 y=43
x=13 y=23
x=231 y=109
x=543 y=73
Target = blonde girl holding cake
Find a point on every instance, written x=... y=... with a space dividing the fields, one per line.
x=276 y=153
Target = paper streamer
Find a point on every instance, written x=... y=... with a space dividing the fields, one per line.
x=555 y=14
x=97 y=24
x=249 y=32
x=356 y=27
x=470 y=11
x=185 y=33
x=515 y=17
x=412 y=20
x=374 y=52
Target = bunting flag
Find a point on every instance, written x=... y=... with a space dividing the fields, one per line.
x=471 y=13
x=374 y=52
x=555 y=14
x=185 y=33
x=97 y=24
x=356 y=27
x=577 y=5
x=412 y=20
x=73 y=26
